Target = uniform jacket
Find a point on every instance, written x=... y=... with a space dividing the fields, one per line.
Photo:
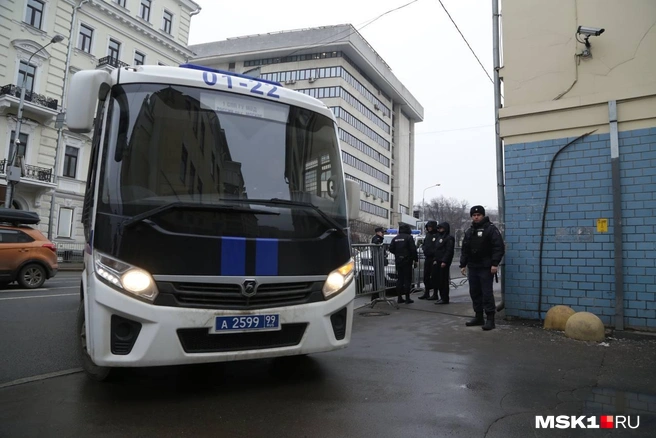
x=403 y=247
x=444 y=245
x=482 y=246
x=430 y=241
x=377 y=240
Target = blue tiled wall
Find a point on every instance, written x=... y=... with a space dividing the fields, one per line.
x=577 y=261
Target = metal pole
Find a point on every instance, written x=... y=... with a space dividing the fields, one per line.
x=62 y=114
x=423 y=202
x=496 y=37
x=13 y=146
x=617 y=214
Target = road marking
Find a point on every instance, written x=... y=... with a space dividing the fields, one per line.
x=38 y=296
x=40 y=377
x=40 y=289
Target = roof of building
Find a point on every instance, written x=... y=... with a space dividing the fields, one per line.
x=344 y=38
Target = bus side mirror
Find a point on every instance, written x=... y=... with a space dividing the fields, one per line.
x=83 y=95
x=352 y=199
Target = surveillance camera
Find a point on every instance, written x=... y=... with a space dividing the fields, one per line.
x=590 y=31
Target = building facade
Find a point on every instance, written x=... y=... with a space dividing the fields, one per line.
x=579 y=130
x=376 y=114
x=97 y=34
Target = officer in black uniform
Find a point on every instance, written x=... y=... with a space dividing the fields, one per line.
x=377 y=240
x=443 y=259
x=428 y=249
x=482 y=251
x=405 y=254
x=378 y=237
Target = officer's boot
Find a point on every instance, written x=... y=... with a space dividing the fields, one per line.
x=477 y=320
x=399 y=299
x=489 y=324
x=425 y=295
x=407 y=299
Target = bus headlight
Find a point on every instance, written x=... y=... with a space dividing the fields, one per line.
x=338 y=279
x=125 y=277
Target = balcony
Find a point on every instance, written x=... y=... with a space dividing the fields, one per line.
x=36 y=106
x=109 y=63
x=32 y=173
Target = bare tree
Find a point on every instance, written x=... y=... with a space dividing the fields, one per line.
x=451 y=210
x=361 y=232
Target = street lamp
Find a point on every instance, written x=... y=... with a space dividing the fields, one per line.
x=59 y=123
x=423 y=202
x=13 y=175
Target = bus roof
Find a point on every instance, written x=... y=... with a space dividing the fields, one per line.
x=212 y=79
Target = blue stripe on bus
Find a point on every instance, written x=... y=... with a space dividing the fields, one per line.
x=233 y=256
x=266 y=257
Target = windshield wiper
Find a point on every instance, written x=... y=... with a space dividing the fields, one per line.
x=191 y=206
x=336 y=227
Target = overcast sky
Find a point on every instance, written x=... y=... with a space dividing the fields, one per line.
x=455 y=144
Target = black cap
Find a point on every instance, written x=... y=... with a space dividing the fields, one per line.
x=477 y=209
x=380 y=229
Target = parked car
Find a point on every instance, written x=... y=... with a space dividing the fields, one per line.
x=26 y=255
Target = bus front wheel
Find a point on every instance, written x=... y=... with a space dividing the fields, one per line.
x=93 y=371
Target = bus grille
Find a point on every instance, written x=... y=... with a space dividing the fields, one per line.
x=199 y=340
x=229 y=296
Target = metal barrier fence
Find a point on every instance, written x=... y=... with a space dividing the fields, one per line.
x=70 y=252
x=375 y=272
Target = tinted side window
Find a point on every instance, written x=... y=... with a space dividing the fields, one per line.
x=91 y=176
x=14 y=236
x=24 y=237
x=8 y=236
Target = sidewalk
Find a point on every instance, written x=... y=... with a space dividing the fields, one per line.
x=459 y=301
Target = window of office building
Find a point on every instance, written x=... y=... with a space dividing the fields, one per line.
x=34 y=13
x=369 y=189
x=120 y=2
x=374 y=209
x=364 y=167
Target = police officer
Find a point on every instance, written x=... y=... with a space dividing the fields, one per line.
x=377 y=240
x=378 y=237
x=443 y=258
x=405 y=254
x=428 y=249
x=482 y=251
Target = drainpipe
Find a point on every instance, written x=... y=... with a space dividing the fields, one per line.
x=62 y=116
x=617 y=214
x=496 y=38
x=196 y=12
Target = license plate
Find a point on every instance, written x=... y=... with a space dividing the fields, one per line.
x=246 y=323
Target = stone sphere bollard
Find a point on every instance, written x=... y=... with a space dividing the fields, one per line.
x=557 y=317
x=585 y=326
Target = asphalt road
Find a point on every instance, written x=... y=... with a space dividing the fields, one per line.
x=37 y=328
x=412 y=372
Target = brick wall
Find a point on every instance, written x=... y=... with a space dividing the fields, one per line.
x=578 y=261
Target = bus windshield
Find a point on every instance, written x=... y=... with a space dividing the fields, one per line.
x=168 y=144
